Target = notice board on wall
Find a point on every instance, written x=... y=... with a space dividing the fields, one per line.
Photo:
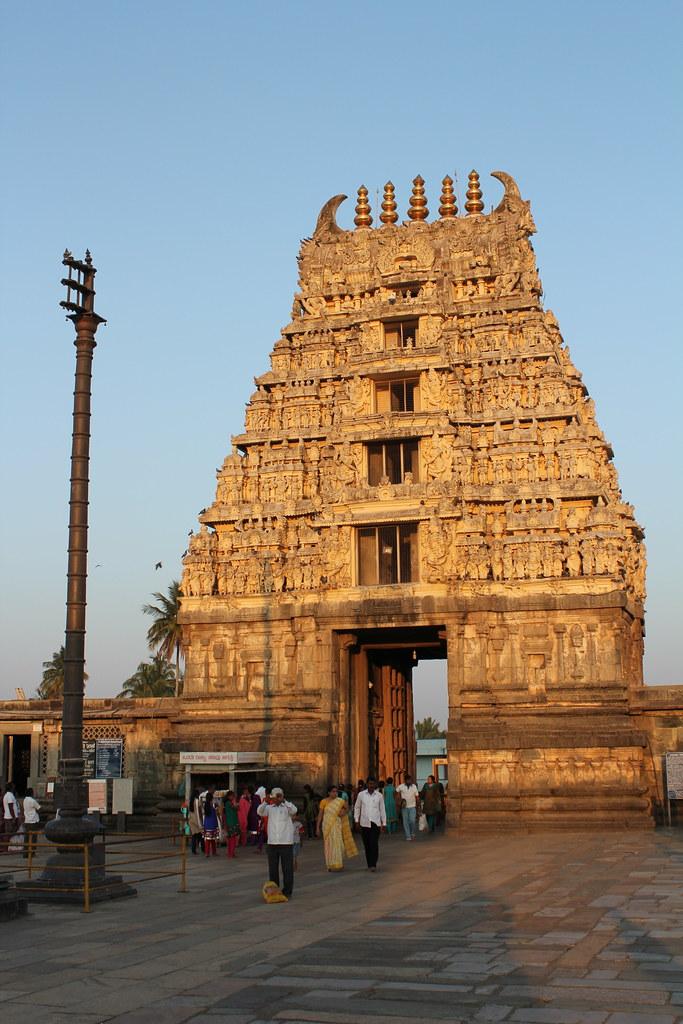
x=122 y=796
x=674 y=776
x=97 y=796
x=108 y=759
x=89 y=759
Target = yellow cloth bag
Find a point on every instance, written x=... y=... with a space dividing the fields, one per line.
x=271 y=893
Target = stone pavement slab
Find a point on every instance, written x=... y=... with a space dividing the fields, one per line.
x=529 y=929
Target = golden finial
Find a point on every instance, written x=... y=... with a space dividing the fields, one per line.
x=474 y=203
x=362 y=218
x=448 y=206
x=388 y=214
x=418 y=203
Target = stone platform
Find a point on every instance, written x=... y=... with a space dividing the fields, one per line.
x=535 y=929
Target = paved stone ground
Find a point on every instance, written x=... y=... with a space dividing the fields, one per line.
x=530 y=929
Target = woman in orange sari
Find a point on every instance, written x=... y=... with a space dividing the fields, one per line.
x=333 y=821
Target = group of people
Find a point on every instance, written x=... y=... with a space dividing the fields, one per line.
x=267 y=820
x=20 y=821
x=377 y=806
x=209 y=818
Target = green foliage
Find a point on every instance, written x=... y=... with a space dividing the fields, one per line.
x=164 y=636
x=52 y=684
x=428 y=729
x=153 y=678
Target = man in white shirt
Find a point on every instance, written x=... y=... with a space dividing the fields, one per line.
x=409 y=796
x=10 y=816
x=279 y=815
x=371 y=815
x=31 y=821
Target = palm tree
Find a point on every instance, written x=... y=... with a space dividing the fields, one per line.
x=428 y=729
x=153 y=678
x=164 y=635
x=52 y=685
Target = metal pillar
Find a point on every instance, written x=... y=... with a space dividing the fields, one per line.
x=73 y=866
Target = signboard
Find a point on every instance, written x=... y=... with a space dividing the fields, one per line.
x=122 y=796
x=97 y=796
x=674 y=776
x=221 y=756
x=108 y=759
x=89 y=759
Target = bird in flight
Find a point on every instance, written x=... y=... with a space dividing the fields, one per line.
x=158 y=565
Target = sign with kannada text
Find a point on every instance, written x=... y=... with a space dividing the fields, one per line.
x=89 y=759
x=221 y=756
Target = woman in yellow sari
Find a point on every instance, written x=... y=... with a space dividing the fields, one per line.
x=333 y=820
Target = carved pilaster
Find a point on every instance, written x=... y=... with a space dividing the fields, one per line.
x=560 y=632
x=455 y=636
x=591 y=652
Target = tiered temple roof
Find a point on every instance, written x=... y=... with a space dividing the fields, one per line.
x=420 y=386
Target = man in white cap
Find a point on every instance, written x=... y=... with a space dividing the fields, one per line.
x=279 y=815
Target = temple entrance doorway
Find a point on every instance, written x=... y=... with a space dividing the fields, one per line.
x=381 y=701
x=15 y=760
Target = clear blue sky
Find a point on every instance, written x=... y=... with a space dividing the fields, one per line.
x=191 y=145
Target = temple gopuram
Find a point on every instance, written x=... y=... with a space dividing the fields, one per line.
x=421 y=475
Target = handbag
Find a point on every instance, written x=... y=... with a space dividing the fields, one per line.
x=422 y=823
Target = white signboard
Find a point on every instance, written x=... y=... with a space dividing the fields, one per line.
x=221 y=756
x=97 y=795
x=122 y=796
x=674 y=776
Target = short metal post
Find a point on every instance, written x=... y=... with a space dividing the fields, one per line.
x=86 y=878
x=183 y=863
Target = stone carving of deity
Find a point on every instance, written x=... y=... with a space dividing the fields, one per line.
x=346 y=466
x=438 y=457
x=359 y=392
x=437 y=549
x=336 y=559
x=434 y=389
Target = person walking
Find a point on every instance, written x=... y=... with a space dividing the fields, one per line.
x=10 y=816
x=211 y=829
x=299 y=830
x=337 y=840
x=243 y=809
x=31 y=822
x=253 y=820
x=431 y=801
x=410 y=804
x=389 y=795
x=279 y=815
x=370 y=815
x=194 y=820
x=231 y=825
x=311 y=808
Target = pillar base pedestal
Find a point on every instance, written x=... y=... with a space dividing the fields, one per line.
x=64 y=875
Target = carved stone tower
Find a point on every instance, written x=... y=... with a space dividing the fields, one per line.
x=422 y=475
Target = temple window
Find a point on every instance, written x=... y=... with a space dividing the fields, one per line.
x=392 y=460
x=387 y=554
x=397 y=395
x=401 y=333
